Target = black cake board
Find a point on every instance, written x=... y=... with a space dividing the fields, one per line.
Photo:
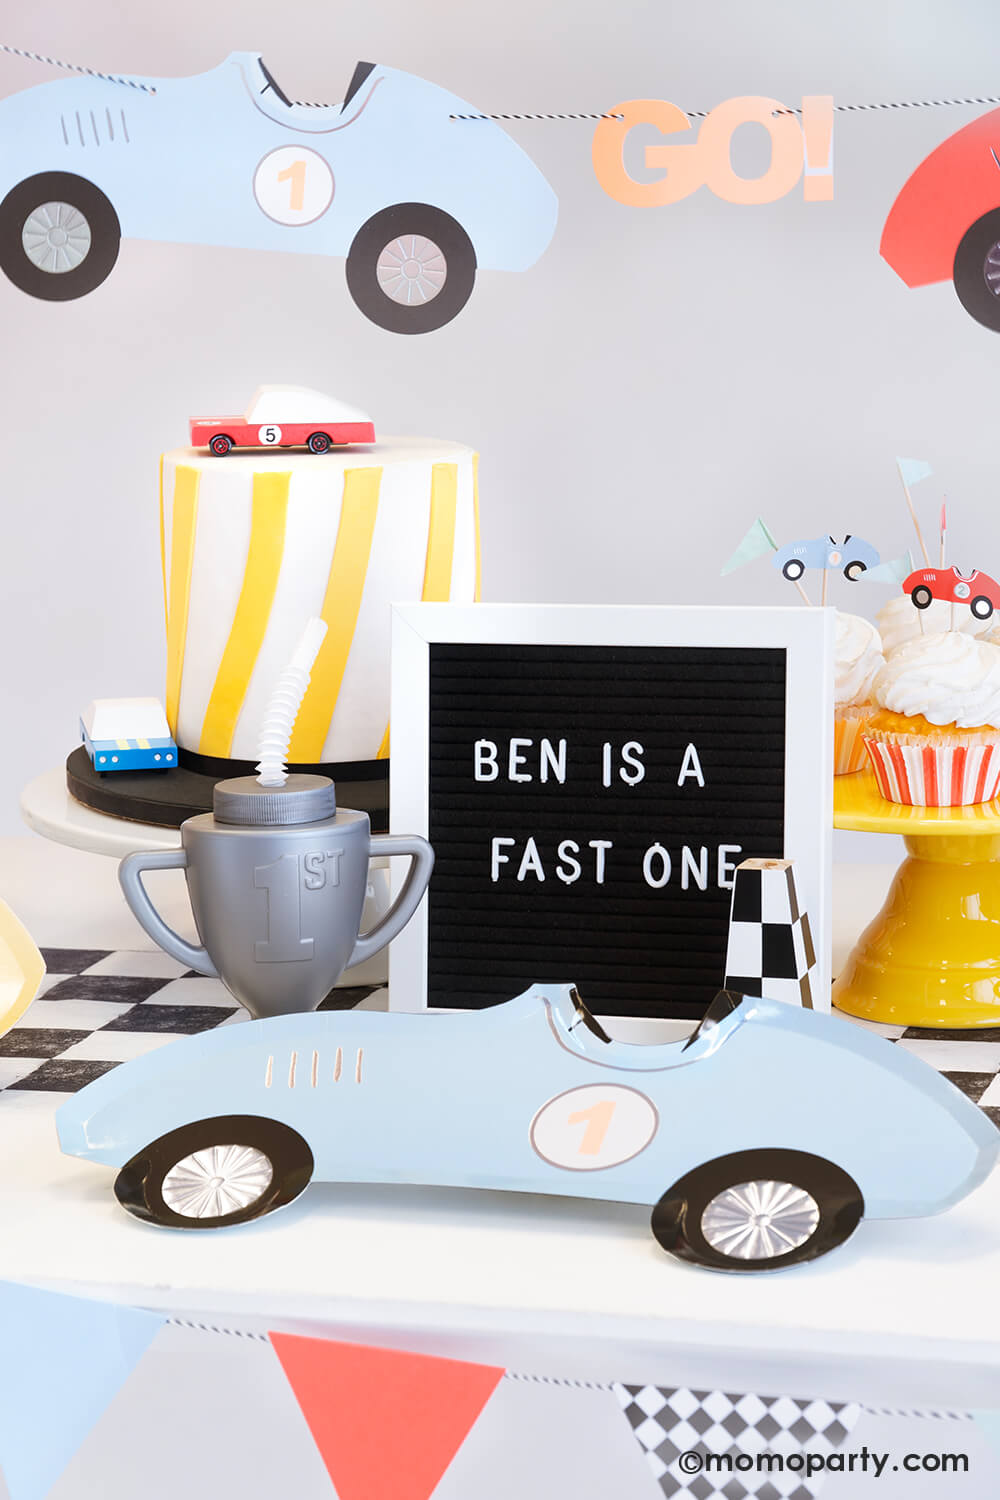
x=167 y=798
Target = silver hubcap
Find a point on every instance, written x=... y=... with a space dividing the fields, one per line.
x=758 y=1220
x=991 y=268
x=411 y=270
x=56 y=237
x=217 y=1181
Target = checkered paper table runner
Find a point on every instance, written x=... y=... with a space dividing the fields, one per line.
x=96 y=1009
x=669 y=1423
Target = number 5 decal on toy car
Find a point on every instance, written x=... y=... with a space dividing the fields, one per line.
x=596 y=1126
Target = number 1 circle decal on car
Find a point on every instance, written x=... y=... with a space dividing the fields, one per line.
x=595 y=1126
x=293 y=185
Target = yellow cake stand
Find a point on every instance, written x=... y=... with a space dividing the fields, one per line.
x=932 y=955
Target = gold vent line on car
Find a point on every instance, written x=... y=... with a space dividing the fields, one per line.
x=314 y=1068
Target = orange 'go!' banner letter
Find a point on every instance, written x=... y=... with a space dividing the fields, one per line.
x=683 y=172
x=707 y=160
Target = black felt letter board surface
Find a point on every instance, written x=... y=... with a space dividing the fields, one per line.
x=587 y=806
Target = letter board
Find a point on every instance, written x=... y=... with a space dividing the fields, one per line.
x=588 y=794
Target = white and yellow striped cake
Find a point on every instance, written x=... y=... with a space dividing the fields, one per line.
x=255 y=543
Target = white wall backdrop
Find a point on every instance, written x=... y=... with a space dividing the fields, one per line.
x=661 y=376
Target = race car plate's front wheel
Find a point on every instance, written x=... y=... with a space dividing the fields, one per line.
x=215 y=1172
x=411 y=268
x=59 y=236
x=758 y=1211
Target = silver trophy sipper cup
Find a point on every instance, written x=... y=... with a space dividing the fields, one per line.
x=277 y=879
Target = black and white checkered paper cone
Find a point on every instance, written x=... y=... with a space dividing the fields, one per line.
x=670 y=1421
x=770 y=950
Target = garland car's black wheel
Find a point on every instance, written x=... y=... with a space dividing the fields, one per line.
x=216 y=1172
x=794 y=568
x=220 y=445
x=976 y=272
x=981 y=607
x=921 y=596
x=411 y=268
x=59 y=236
x=854 y=570
x=320 y=442
x=758 y=1211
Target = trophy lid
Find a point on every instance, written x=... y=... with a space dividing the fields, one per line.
x=301 y=799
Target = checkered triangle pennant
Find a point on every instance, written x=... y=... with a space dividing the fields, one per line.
x=704 y=1443
x=770 y=950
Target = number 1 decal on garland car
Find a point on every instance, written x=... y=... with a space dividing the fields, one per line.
x=596 y=1126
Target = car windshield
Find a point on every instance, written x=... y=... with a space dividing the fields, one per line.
x=270 y=89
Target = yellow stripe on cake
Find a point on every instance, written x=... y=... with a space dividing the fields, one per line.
x=269 y=511
x=441 y=533
x=163 y=551
x=341 y=608
x=441 y=546
x=184 y=522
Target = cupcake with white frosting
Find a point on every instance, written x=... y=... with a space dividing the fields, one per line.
x=857 y=661
x=935 y=740
x=899 y=621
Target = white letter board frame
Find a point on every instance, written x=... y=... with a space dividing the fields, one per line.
x=804 y=634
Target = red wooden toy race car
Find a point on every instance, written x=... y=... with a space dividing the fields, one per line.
x=285 y=416
x=978 y=590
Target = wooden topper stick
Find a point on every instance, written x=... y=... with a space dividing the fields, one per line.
x=805 y=597
x=913 y=518
x=822 y=593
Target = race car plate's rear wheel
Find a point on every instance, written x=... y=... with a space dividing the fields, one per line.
x=215 y=1172
x=59 y=236
x=411 y=268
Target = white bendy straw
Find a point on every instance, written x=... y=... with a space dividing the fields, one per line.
x=284 y=704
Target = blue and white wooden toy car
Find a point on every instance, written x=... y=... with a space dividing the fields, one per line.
x=416 y=199
x=853 y=556
x=128 y=734
x=758 y=1142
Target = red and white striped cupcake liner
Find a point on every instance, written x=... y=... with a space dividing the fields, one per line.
x=935 y=776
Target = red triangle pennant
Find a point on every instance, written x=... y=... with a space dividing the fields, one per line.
x=387 y=1424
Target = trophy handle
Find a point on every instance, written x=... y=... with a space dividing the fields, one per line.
x=409 y=898
x=130 y=879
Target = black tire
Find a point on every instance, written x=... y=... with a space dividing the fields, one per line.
x=139 y=1184
x=379 y=232
x=794 y=568
x=677 y=1218
x=220 y=445
x=981 y=607
x=102 y=221
x=978 y=256
x=319 y=442
x=853 y=570
x=921 y=596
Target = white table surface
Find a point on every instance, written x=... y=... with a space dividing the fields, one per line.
x=914 y=1300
